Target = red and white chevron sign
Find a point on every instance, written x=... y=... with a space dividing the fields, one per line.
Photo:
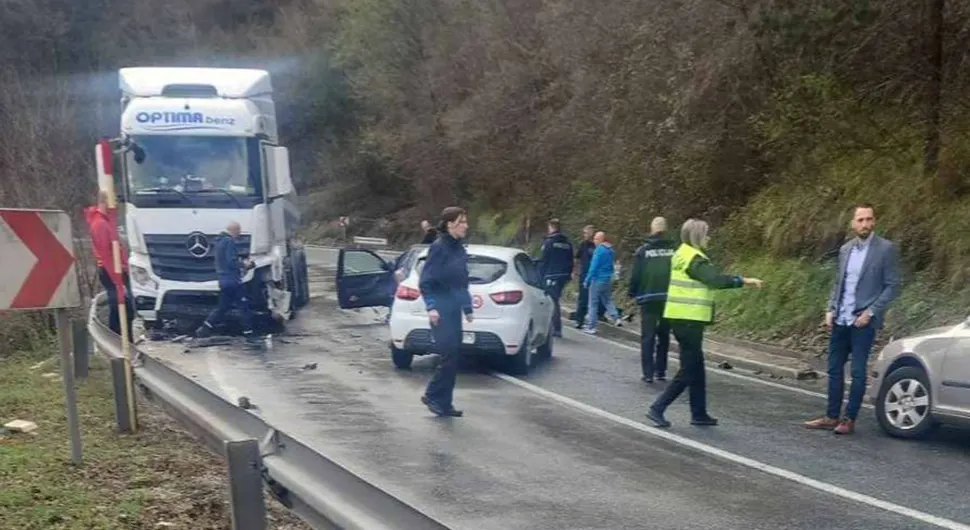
x=37 y=266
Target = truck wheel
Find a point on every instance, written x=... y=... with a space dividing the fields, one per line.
x=304 y=274
x=298 y=277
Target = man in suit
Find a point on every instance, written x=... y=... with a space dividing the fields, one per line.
x=868 y=280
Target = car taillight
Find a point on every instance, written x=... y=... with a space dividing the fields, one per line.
x=407 y=293
x=506 y=297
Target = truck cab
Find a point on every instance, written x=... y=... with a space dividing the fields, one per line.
x=198 y=149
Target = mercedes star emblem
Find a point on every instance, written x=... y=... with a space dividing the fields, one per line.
x=197 y=245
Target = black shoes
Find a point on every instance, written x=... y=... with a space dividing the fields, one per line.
x=438 y=410
x=657 y=418
x=705 y=421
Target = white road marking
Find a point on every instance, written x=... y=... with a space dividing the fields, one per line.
x=738 y=459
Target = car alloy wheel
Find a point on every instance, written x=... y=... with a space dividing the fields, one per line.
x=904 y=404
x=907 y=404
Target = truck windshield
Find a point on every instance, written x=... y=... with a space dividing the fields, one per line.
x=197 y=170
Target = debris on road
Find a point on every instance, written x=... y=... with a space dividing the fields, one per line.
x=210 y=342
x=806 y=374
x=22 y=426
x=244 y=403
x=724 y=365
x=310 y=366
x=180 y=338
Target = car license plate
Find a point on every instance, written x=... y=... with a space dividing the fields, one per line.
x=468 y=338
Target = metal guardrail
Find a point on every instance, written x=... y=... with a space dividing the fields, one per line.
x=370 y=241
x=318 y=490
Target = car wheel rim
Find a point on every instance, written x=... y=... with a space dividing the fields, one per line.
x=907 y=404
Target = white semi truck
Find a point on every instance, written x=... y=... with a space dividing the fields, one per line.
x=198 y=149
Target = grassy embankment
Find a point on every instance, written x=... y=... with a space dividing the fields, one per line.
x=160 y=477
x=789 y=232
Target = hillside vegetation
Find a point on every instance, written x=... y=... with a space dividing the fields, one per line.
x=768 y=118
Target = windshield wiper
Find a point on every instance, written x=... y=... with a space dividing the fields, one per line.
x=231 y=196
x=166 y=190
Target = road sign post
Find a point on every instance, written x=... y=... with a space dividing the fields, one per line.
x=103 y=158
x=39 y=273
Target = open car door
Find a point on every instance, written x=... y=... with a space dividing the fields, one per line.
x=364 y=279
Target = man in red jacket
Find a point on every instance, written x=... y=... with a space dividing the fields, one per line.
x=103 y=224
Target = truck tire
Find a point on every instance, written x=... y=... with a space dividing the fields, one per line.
x=299 y=280
x=304 y=274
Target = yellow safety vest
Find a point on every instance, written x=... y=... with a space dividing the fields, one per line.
x=687 y=298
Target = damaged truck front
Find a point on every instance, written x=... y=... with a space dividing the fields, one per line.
x=198 y=148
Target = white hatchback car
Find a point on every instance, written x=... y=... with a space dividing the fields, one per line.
x=513 y=314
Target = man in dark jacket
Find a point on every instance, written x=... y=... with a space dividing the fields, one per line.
x=555 y=269
x=648 y=286
x=584 y=255
x=232 y=292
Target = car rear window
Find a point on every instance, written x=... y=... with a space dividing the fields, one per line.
x=481 y=269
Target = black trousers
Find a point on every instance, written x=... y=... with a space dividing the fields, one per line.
x=690 y=337
x=447 y=343
x=554 y=287
x=654 y=340
x=232 y=296
x=114 y=320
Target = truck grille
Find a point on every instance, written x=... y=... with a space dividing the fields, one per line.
x=171 y=259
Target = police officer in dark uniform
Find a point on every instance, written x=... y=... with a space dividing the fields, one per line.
x=444 y=287
x=555 y=269
x=232 y=292
x=648 y=287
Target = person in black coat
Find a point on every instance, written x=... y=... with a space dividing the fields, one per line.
x=648 y=287
x=555 y=269
x=444 y=287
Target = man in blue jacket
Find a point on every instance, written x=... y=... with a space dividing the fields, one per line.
x=599 y=281
x=555 y=269
x=232 y=293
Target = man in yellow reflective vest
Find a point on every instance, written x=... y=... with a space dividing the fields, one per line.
x=689 y=308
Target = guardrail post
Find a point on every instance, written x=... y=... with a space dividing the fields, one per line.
x=246 y=485
x=67 y=374
x=125 y=423
x=79 y=332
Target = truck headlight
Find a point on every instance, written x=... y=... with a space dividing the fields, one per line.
x=141 y=276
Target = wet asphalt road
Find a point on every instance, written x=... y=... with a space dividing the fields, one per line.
x=520 y=460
